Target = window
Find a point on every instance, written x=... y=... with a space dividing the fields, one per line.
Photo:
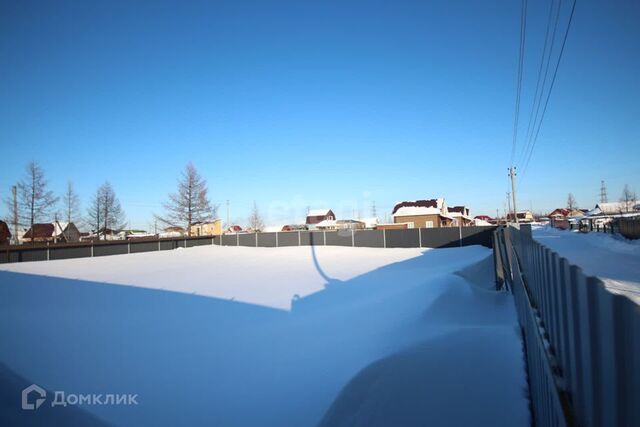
x=428 y=224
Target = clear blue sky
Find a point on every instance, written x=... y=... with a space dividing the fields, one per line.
x=302 y=103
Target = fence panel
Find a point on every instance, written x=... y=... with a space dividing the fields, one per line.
x=248 y=240
x=315 y=238
x=288 y=238
x=339 y=238
x=111 y=249
x=198 y=241
x=230 y=240
x=71 y=252
x=267 y=240
x=408 y=238
x=369 y=238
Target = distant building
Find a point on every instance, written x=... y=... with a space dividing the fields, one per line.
x=432 y=213
x=460 y=214
x=206 y=228
x=52 y=232
x=485 y=218
x=318 y=215
x=5 y=234
x=559 y=213
x=523 y=216
x=172 y=231
x=294 y=227
x=340 y=224
x=233 y=229
x=615 y=208
x=395 y=226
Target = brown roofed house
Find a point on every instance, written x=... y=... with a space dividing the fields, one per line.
x=5 y=234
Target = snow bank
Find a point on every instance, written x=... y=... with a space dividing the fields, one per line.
x=209 y=360
x=612 y=258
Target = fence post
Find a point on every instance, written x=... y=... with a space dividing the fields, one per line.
x=353 y=238
x=419 y=237
x=324 y=238
x=48 y=254
x=237 y=239
x=277 y=240
x=384 y=237
x=299 y=241
x=129 y=247
x=257 y=239
x=91 y=249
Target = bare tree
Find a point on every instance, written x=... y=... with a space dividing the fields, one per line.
x=71 y=202
x=190 y=204
x=628 y=198
x=255 y=219
x=105 y=211
x=571 y=202
x=35 y=201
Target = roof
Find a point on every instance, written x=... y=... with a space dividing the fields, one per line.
x=458 y=209
x=560 y=211
x=419 y=207
x=318 y=212
x=39 y=231
x=616 y=207
x=327 y=223
x=483 y=217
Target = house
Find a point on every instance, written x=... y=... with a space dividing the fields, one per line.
x=294 y=227
x=432 y=213
x=615 y=208
x=461 y=217
x=484 y=218
x=5 y=234
x=233 y=229
x=172 y=231
x=318 y=215
x=559 y=213
x=206 y=228
x=523 y=216
x=395 y=226
x=340 y=224
x=52 y=232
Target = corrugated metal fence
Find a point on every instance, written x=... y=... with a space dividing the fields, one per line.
x=408 y=238
x=582 y=342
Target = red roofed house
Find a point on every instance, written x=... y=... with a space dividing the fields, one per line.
x=432 y=213
x=318 y=215
x=5 y=234
x=50 y=232
x=460 y=214
x=559 y=213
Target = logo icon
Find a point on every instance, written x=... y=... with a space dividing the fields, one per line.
x=35 y=389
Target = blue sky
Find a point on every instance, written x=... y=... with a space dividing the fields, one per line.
x=301 y=103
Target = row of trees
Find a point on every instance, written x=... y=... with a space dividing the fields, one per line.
x=32 y=202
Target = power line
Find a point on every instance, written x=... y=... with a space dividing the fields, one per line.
x=536 y=98
x=553 y=80
x=523 y=32
x=537 y=101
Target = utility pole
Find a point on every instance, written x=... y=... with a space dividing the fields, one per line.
x=512 y=174
x=55 y=228
x=14 y=191
x=228 y=225
x=509 y=205
x=603 y=192
x=498 y=216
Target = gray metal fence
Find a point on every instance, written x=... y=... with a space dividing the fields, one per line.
x=409 y=238
x=582 y=342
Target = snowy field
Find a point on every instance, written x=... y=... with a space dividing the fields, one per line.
x=210 y=336
x=612 y=258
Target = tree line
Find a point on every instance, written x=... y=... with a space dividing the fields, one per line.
x=32 y=202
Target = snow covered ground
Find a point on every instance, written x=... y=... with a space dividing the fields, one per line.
x=209 y=336
x=612 y=258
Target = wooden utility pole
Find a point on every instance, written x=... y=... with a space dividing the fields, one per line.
x=512 y=175
x=14 y=191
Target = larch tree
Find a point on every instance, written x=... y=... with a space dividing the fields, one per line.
x=255 y=219
x=105 y=211
x=628 y=198
x=190 y=204
x=71 y=202
x=571 y=202
x=35 y=200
